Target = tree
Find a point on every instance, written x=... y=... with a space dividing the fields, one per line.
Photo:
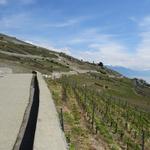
x=100 y=64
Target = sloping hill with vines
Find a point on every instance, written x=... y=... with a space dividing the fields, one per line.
x=104 y=109
x=100 y=108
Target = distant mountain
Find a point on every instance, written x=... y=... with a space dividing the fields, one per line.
x=142 y=74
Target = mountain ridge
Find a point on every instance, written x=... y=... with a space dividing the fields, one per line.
x=132 y=73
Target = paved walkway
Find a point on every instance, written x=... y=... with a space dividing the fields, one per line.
x=4 y=71
x=48 y=135
x=14 y=98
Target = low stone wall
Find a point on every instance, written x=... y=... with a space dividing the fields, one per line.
x=48 y=134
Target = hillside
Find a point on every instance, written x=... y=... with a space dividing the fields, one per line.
x=30 y=57
x=102 y=109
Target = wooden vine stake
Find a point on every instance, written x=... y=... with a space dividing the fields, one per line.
x=61 y=119
x=143 y=140
x=93 y=115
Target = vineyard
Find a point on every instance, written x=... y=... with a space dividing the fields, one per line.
x=121 y=124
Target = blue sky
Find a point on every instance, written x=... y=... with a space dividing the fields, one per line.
x=112 y=31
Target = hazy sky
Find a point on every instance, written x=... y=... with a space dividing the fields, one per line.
x=116 y=32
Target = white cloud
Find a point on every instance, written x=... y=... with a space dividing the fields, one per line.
x=106 y=48
x=66 y=50
x=145 y=22
x=48 y=45
x=25 y=19
x=143 y=48
x=114 y=54
x=65 y=23
x=100 y=46
x=26 y=1
x=3 y=2
x=91 y=37
x=110 y=53
x=14 y=21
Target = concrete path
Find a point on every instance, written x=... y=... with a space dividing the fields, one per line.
x=14 y=98
x=14 y=101
x=48 y=135
x=4 y=71
x=56 y=75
